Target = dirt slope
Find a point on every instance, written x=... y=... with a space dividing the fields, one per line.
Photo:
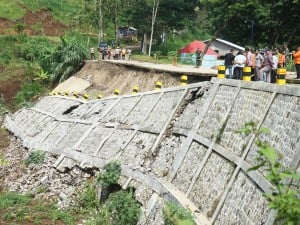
x=106 y=77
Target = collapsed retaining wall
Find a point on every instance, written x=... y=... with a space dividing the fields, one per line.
x=176 y=143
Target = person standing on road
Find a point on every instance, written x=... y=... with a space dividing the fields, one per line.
x=229 y=59
x=296 y=55
x=92 y=52
x=128 y=54
x=198 y=55
x=259 y=59
x=239 y=63
x=265 y=71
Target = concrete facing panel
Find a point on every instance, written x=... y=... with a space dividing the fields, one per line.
x=178 y=142
x=189 y=166
x=283 y=120
x=210 y=184
x=245 y=204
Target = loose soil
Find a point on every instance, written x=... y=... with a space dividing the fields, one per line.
x=36 y=23
x=9 y=89
x=105 y=77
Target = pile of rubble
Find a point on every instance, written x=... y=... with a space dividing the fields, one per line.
x=42 y=180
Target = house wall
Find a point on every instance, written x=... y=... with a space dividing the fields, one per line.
x=222 y=47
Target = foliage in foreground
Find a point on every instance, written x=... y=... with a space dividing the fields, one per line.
x=176 y=215
x=65 y=60
x=35 y=157
x=285 y=197
x=119 y=209
x=19 y=209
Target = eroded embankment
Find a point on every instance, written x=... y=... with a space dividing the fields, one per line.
x=105 y=77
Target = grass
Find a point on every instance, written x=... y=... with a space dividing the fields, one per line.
x=23 y=209
x=11 y=9
x=58 y=8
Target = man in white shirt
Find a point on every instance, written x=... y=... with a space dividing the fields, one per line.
x=239 y=63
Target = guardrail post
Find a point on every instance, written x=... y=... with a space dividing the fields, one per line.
x=281 y=73
x=221 y=72
x=247 y=73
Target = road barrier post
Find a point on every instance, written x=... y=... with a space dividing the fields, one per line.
x=86 y=96
x=281 y=73
x=117 y=92
x=183 y=80
x=247 y=73
x=158 y=85
x=221 y=72
x=135 y=89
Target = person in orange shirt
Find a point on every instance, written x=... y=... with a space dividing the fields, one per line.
x=281 y=58
x=296 y=55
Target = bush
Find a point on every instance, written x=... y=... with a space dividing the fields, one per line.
x=35 y=157
x=111 y=175
x=120 y=208
x=28 y=92
x=176 y=215
x=65 y=60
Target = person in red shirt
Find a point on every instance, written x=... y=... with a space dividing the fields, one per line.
x=296 y=55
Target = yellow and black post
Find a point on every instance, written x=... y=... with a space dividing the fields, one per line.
x=221 y=72
x=247 y=73
x=135 y=89
x=158 y=85
x=86 y=96
x=281 y=73
x=75 y=94
x=183 y=80
x=99 y=96
x=117 y=92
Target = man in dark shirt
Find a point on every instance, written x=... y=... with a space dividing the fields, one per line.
x=229 y=58
x=198 y=55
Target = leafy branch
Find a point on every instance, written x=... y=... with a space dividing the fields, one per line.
x=283 y=199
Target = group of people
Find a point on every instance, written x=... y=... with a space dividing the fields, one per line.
x=115 y=53
x=111 y=53
x=263 y=63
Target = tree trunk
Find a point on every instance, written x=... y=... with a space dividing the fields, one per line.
x=154 y=13
x=144 y=44
x=100 y=22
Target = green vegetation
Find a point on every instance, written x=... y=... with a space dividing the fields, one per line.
x=11 y=10
x=119 y=209
x=18 y=209
x=285 y=196
x=111 y=175
x=176 y=215
x=65 y=60
x=35 y=157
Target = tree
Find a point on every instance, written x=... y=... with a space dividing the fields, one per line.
x=273 y=20
x=65 y=60
x=154 y=13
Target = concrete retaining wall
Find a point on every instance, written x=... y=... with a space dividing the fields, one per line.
x=177 y=143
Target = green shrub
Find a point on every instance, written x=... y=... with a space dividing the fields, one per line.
x=28 y=93
x=120 y=208
x=35 y=157
x=111 y=175
x=65 y=60
x=176 y=215
x=88 y=198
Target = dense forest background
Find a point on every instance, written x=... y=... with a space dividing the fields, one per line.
x=272 y=22
x=43 y=42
